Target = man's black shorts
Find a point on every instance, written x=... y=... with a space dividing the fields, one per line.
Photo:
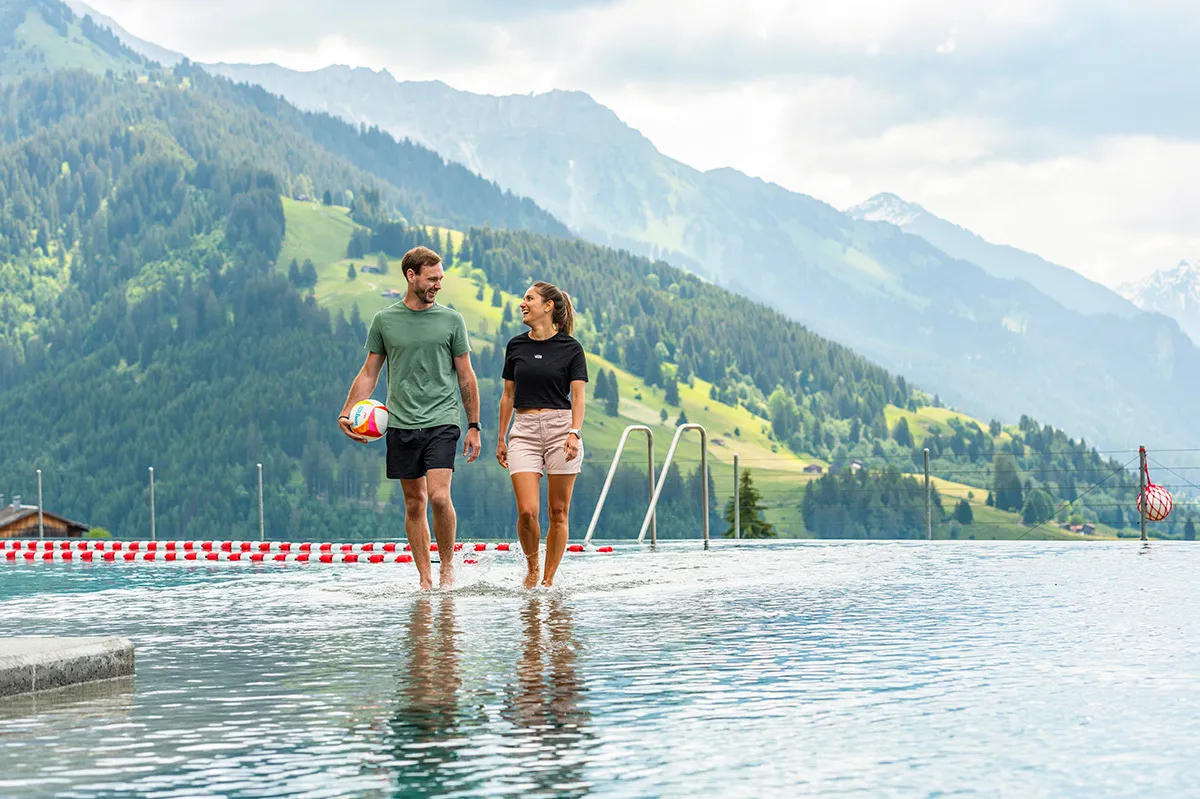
x=412 y=453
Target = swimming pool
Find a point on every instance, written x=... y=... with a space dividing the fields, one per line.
x=869 y=668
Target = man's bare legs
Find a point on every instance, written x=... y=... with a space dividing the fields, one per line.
x=431 y=490
x=525 y=487
x=561 y=486
x=445 y=521
x=416 y=527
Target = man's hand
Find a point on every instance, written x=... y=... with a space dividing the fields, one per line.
x=344 y=423
x=502 y=453
x=472 y=447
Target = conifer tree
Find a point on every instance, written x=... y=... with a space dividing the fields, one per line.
x=750 y=511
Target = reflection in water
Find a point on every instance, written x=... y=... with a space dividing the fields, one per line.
x=424 y=724
x=545 y=701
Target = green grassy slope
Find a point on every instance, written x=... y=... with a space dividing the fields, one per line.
x=37 y=47
x=322 y=233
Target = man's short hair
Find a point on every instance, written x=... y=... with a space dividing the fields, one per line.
x=417 y=259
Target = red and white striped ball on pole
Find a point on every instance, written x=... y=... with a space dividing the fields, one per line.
x=1158 y=503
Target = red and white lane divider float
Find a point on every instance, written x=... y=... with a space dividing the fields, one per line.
x=108 y=550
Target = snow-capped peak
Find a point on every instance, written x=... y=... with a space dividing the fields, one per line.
x=887 y=207
x=1174 y=291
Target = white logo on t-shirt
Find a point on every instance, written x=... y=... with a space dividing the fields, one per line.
x=538 y=357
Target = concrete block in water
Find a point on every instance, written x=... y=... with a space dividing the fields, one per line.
x=41 y=663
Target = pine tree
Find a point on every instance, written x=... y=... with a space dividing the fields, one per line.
x=479 y=294
x=351 y=273
x=497 y=300
x=682 y=418
x=600 y=390
x=327 y=198
x=612 y=399
x=1189 y=530
x=902 y=434
x=672 y=392
x=293 y=273
x=308 y=274
x=963 y=513
x=1038 y=507
x=662 y=415
x=381 y=263
x=750 y=511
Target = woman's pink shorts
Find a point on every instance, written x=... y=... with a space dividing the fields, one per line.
x=535 y=444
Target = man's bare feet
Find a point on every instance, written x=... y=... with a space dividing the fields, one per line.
x=535 y=571
x=446 y=576
x=426 y=584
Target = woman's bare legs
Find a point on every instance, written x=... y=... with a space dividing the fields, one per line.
x=526 y=488
x=561 y=486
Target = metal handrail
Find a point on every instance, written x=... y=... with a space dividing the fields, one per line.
x=662 y=479
x=612 y=470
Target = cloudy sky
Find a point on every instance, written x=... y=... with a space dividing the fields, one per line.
x=1067 y=127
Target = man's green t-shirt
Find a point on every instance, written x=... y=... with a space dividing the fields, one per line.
x=420 y=347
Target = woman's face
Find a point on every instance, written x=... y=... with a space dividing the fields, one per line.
x=535 y=310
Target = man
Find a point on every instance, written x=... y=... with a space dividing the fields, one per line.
x=427 y=352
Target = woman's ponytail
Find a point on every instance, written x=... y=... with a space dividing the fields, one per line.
x=563 y=315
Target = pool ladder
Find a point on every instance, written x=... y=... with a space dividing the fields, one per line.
x=650 y=521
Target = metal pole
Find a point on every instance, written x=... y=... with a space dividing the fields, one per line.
x=737 y=501
x=650 y=479
x=41 y=525
x=151 y=503
x=1142 y=493
x=261 y=527
x=704 y=480
x=928 y=500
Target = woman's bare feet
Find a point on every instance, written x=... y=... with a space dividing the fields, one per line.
x=535 y=571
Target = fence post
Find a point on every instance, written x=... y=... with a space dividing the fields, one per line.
x=41 y=525
x=151 y=503
x=928 y=500
x=737 y=501
x=261 y=528
x=1142 y=493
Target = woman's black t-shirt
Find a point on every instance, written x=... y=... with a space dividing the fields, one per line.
x=544 y=370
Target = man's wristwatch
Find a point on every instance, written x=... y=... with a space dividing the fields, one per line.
x=576 y=433
x=473 y=426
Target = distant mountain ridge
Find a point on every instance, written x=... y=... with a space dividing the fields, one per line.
x=992 y=346
x=1066 y=286
x=1173 y=292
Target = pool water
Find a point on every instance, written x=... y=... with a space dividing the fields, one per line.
x=866 y=668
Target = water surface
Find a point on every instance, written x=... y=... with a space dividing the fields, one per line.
x=867 y=668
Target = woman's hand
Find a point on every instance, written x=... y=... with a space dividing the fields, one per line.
x=571 y=447
x=502 y=453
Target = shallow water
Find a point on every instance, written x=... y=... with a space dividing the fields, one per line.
x=867 y=668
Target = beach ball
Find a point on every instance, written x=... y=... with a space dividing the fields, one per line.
x=1158 y=503
x=369 y=419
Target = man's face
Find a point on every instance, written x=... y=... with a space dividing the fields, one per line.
x=427 y=284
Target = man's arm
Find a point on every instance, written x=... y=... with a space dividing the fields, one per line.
x=468 y=387
x=361 y=389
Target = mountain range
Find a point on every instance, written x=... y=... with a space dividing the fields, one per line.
x=1059 y=347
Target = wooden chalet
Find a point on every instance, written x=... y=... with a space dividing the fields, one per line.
x=21 y=521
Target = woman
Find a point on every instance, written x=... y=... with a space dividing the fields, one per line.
x=545 y=373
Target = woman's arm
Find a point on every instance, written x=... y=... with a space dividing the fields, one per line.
x=506 y=414
x=578 y=400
